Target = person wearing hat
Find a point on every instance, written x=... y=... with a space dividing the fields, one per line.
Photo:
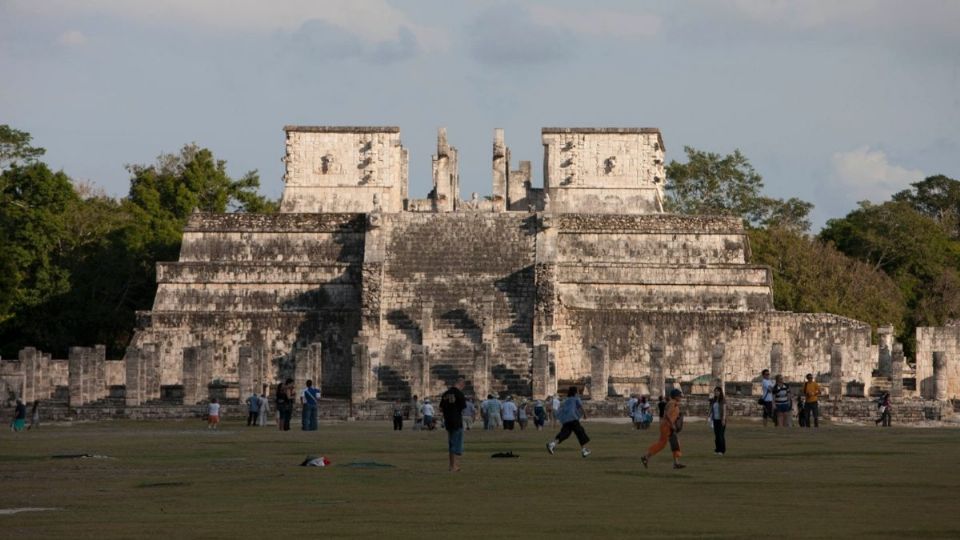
x=509 y=413
x=670 y=425
x=428 y=413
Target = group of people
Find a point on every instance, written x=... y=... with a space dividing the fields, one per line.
x=258 y=407
x=777 y=401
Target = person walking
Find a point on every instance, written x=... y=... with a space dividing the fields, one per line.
x=19 y=416
x=522 y=415
x=310 y=399
x=670 y=425
x=811 y=406
x=718 y=417
x=539 y=414
x=509 y=413
x=397 y=415
x=253 y=408
x=469 y=413
x=428 y=414
x=415 y=410
x=642 y=418
x=213 y=414
x=886 y=415
x=264 y=411
x=569 y=414
x=783 y=401
x=766 y=397
x=661 y=406
x=494 y=420
x=452 y=404
x=285 y=403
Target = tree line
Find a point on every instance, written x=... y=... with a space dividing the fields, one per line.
x=76 y=264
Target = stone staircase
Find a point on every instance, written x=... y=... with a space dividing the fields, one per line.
x=880 y=385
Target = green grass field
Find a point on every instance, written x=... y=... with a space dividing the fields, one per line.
x=176 y=479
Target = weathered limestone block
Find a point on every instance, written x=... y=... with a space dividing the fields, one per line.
x=657 y=380
x=420 y=362
x=360 y=374
x=541 y=372
x=776 y=360
x=896 y=371
x=940 y=375
x=481 y=370
x=501 y=170
x=716 y=365
x=308 y=366
x=245 y=370
x=133 y=392
x=885 y=338
x=191 y=376
x=599 y=371
x=29 y=362
x=836 y=372
x=77 y=357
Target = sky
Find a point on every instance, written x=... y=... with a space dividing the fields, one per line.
x=833 y=102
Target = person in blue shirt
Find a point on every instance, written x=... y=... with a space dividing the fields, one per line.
x=569 y=415
x=310 y=399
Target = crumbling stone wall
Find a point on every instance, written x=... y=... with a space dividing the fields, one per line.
x=938 y=375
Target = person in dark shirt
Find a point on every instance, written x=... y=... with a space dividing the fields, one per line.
x=452 y=404
x=661 y=406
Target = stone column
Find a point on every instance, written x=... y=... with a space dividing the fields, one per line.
x=657 y=383
x=245 y=371
x=776 y=360
x=77 y=357
x=208 y=354
x=836 y=372
x=133 y=386
x=940 y=375
x=28 y=365
x=482 y=356
x=420 y=365
x=885 y=339
x=362 y=388
x=150 y=356
x=599 y=371
x=541 y=371
x=501 y=168
x=716 y=365
x=191 y=375
x=315 y=364
x=99 y=372
x=896 y=371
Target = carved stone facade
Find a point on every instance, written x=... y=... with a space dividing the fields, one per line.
x=378 y=296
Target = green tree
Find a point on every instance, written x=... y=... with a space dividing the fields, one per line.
x=812 y=276
x=15 y=147
x=709 y=183
x=937 y=197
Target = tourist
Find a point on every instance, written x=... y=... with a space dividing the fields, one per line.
x=718 y=417
x=883 y=405
x=783 y=401
x=483 y=412
x=264 y=408
x=631 y=407
x=19 y=416
x=494 y=420
x=539 y=414
x=661 y=406
x=310 y=399
x=253 y=408
x=428 y=414
x=554 y=407
x=452 y=405
x=35 y=415
x=642 y=417
x=469 y=413
x=285 y=403
x=569 y=414
x=397 y=415
x=802 y=419
x=670 y=426
x=213 y=414
x=811 y=395
x=766 y=398
x=522 y=415
x=415 y=407
x=509 y=413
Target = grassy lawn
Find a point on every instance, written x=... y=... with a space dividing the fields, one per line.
x=176 y=479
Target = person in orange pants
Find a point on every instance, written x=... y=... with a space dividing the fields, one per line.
x=670 y=425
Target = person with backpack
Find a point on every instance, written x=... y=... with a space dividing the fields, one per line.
x=670 y=426
x=783 y=401
x=310 y=399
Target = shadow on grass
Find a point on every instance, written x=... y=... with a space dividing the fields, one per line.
x=163 y=484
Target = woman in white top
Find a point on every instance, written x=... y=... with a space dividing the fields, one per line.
x=264 y=410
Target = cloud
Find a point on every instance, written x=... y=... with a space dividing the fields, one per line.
x=506 y=35
x=868 y=175
x=319 y=40
x=374 y=21
x=72 y=38
x=595 y=22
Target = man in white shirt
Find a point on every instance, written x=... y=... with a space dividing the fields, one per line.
x=509 y=413
x=766 y=385
x=555 y=407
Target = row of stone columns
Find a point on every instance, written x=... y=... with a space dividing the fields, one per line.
x=87 y=376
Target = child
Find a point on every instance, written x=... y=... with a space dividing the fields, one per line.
x=670 y=425
x=569 y=415
x=213 y=414
x=801 y=411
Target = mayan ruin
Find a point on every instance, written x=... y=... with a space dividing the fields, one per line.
x=379 y=296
